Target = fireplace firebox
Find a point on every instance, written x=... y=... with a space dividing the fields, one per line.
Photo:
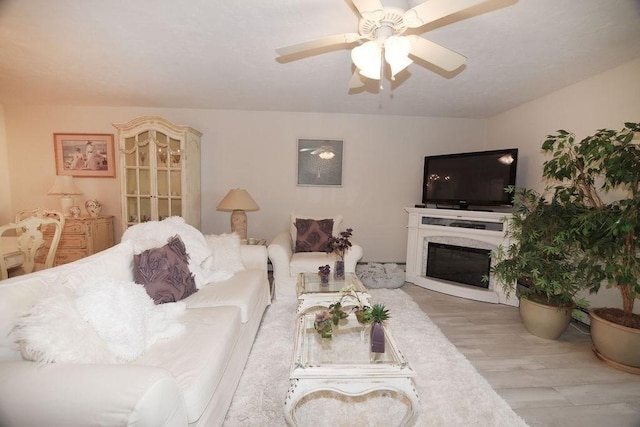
x=458 y=264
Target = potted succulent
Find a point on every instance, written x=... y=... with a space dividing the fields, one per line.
x=541 y=262
x=379 y=314
x=599 y=178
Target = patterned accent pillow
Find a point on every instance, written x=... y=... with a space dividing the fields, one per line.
x=164 y=272
x=313 y=235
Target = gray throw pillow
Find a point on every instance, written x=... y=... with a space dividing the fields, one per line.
x=164 y=272
x=313 y=235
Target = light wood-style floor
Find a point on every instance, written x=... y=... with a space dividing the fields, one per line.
x=548 y=383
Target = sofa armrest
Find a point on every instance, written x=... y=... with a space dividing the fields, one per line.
x=352 y=257
x=68 y=394
x=280 y=253
x=254 y=256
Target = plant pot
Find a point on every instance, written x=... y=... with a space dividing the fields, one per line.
x=377 y=338
x=360 y=316
x=544 y=321
x=616 y=345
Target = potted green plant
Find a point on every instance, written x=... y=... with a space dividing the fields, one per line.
x=542 y=262
x=599 y=178
x=323 y=324
x=360 y=308
x=379 y=315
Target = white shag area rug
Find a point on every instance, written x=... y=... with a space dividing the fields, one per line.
x=452 y=392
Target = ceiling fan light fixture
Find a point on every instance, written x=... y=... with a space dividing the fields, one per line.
x=396 y=53
x=368 y=59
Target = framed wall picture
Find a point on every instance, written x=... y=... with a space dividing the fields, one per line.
x=84 y=154
x=320 y=162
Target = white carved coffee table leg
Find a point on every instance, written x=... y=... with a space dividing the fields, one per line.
x=351 y=387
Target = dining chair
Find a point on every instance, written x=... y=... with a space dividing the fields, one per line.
x=29 y=239
x=40 y=213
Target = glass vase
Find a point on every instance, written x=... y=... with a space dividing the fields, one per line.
x=339 y=270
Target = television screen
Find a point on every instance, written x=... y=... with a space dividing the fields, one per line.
x=464 y=179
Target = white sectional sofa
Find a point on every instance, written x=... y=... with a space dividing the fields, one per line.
x=187 y=380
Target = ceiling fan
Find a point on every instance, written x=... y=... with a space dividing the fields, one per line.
x=383 y=28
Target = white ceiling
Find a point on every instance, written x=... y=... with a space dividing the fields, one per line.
x=221 y=54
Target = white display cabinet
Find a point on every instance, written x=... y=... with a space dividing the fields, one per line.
x=160 y=171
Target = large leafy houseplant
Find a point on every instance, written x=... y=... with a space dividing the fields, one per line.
x=599 y=179
x=541 y=255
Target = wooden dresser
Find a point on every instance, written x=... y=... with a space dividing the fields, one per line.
x=82 y=237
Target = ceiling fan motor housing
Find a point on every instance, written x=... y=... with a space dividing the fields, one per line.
x=389 y=23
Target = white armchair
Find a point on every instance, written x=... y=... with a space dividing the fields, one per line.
x=287 y=264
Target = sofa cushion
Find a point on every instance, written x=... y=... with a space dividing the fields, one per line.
x=116 y=262
x=164 y=272
x=198 y=359
x=125 y=317
x=337 y=223
x=312 y=235
x=19 y=294
x=103 y=320
x=54 y=331
x=225 y=259
x=16 y=299
x=244 y=290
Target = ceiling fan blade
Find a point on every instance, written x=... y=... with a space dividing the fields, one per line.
x=372 y=10
x=434 y=53
x=432 y=10
x=319 y=43
x=356 y=81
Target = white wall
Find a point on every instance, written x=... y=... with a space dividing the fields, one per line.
x=256 y=150
x=383 y=158
x=606 y=100
x=603 y=101
x=5 y=188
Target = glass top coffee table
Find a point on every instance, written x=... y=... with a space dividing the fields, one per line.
x=311 y=293
x=344 y=364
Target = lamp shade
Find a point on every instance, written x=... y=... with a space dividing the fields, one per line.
x=368 y=59
x=396 y=53
x=237 y=199
x=63 y=186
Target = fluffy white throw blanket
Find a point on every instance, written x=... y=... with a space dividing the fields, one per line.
x=102 y=320
x=212 y=258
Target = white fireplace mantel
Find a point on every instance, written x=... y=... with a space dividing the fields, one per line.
x=460 y=227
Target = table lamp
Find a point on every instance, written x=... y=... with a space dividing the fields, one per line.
x=65 y=188
x=238 y=201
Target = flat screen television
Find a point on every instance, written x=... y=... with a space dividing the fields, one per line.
x=464 y=179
